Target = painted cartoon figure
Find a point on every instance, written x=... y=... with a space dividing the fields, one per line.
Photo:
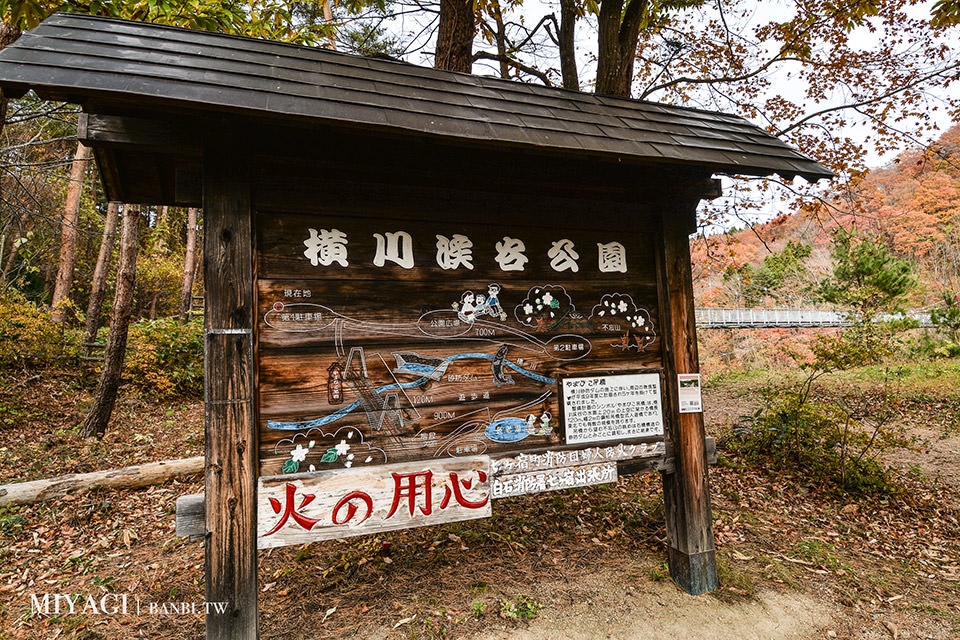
x=466 y=310
x=493 y=302
x=542 y=429
x=532 y=425
x=482 y=308
x=545 y=428
x=474 y=305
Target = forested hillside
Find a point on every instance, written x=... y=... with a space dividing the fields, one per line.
x=42 y=163
x=912 y=206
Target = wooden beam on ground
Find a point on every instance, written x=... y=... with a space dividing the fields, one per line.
x=190 y=508
x=191 y=516
x=686 y=492
x=135 y=477
x=230 y=421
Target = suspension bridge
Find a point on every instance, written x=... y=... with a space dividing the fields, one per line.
x=715 y=318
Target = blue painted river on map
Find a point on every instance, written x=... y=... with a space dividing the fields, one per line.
x=353 y=406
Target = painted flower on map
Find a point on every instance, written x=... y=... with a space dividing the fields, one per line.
x=300 y=453
x=544 y=307
x=316 y=450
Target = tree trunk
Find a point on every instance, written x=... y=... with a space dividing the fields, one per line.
x=99 y=415
x=8 y=34
x=161 y=229
x=618 y=30
x=501 y=38
x=189 y=259
x=143 y=475
x=328 y=19
x=455 y=36
x=608 y=46
x=568 y=49
x=100 y=273
x=68 y=234
x=14 y=246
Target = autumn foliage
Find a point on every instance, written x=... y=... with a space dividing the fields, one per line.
x=912 y=206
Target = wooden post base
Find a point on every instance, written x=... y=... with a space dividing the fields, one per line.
x=694 y=573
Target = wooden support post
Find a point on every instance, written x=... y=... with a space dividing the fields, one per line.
x=230 y=424
x=686 y=491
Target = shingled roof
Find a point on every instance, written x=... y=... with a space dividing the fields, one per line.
x=81 y=58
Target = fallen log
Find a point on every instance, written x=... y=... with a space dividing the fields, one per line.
x=135 y=477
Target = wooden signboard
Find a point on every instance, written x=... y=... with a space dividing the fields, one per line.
x=382 y=342
x=339 y=503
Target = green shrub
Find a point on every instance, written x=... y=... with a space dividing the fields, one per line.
x=28 y=338
x=839 y=440
x=946 y=317
x=929 y=345
x=825 y=441
x=165 y=358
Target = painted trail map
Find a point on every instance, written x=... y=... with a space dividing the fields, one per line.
x=381 y=345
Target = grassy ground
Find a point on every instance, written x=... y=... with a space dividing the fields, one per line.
x=884 y=567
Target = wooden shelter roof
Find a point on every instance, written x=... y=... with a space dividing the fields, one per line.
x=105 y=63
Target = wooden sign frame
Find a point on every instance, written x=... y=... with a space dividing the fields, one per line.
x=233 y=414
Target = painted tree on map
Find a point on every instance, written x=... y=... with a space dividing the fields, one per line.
x=544 y=307
x=616 y=313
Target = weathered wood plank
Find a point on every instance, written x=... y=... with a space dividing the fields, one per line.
x=690 y=539
x=302 y=313
x=230 y=425
x=191 y=516
x=147 y=134
x=427 y=250
x=645 y=458
x=305 y=507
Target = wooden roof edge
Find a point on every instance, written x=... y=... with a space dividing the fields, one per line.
x=468 y=78
x=20 y=78
x=97 y=129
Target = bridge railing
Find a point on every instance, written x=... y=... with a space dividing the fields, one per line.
x=725 y=318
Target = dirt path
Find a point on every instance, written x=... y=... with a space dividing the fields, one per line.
x=602 y=607
x=617 y=603
x=936 y=455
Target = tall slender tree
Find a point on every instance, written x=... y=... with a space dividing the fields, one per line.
x=618 y=30
x=99 y=279
x=68 y=234
x=95 y=424
x=159 y=252
x=455 y=36
x=189 y=266
x=566 y=38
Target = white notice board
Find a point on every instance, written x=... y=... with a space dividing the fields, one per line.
x=614 y=407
